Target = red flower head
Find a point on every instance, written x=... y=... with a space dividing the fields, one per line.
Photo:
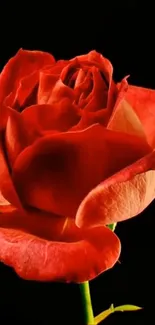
x=76 y=154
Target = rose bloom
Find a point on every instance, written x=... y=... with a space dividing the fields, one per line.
x=76 y=154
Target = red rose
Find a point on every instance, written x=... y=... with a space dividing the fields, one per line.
x=76 y=154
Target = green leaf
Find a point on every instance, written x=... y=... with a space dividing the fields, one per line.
x=99 y=318
x=127 y=308
x=112 y=226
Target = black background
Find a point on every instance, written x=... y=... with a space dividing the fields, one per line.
x=124 y=33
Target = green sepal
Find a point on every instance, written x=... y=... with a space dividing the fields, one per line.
x=112 y=226
x=99 y=318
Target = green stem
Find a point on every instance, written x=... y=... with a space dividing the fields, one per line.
x=87 y=304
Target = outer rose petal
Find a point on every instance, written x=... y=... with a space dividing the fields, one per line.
x=22 y=64
x=25 y=94
x=143 y=102
x=58 y=171
x=124 y=117
x=19 y=134
x=120 y=197
x=15 y=135
x=72 y=255
x=7 y=190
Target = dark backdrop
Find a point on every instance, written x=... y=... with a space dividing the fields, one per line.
x=124 y=33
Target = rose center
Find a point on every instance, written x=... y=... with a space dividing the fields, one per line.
x=81 y=80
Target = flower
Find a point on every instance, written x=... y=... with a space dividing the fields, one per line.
x=76 y=153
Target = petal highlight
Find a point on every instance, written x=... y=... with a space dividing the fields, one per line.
x=120 y=197
x=124 y=117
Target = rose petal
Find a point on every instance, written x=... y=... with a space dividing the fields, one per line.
x=46 y=85
x=69 y=69
x=23 y=129
x=124 y=117
x=49 y=79
x=143 y=102
x=18 y=134
x=56 y=68
x=104 y=65
x=120 y=197
x=5 y=206
x=61 y=91
x=27 y=92
x=72 y=255
x=59 y=116
x=96 y=59
x=7 y=188
x=80 y=78
x=58 y=171
x=83 y=92
x=89 y=118
x=99 y=93
x=52 y=90
x=21 y=65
